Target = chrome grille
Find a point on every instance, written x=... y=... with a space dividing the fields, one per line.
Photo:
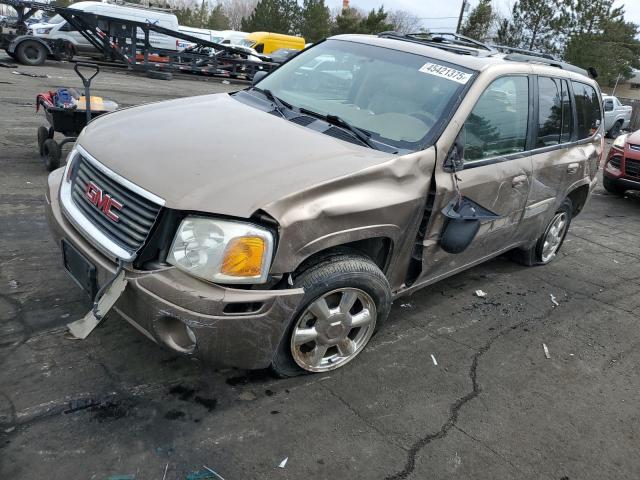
x=136 y=217
x=632 y=169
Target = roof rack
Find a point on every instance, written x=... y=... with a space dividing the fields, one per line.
x=451 y=42
x=523 y=51
x=520 y=57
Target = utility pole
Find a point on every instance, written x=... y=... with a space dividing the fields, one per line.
x=462 y=9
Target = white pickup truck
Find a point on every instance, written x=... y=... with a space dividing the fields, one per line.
x=616 y=115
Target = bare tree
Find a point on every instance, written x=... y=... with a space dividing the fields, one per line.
x=404 y=21
x=236 y=10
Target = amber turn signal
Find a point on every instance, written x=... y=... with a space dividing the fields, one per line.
x=243 y=257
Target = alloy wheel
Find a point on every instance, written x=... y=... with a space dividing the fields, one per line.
x=553 y=238
x=333 y=329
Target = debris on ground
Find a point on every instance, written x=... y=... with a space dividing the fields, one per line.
x=283 y=463
x=8 y=65
x=226 y=82
x=435 y=362
x=13 y=283
x=546 y=351
x=406 y=305
x=164 y=477
x=553 y=300
x=480 y=293
x=215 y=473
x=29 y=74
x=615 y=261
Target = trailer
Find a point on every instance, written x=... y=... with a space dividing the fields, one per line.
x=125 y=43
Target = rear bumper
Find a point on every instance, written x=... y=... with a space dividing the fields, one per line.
x=162 y=302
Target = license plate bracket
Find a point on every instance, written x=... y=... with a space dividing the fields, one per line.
x=81 y=270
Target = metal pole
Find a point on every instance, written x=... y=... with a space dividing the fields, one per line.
x=464 y=4
x=613 y=94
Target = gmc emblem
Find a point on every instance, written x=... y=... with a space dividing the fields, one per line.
x=102 y=201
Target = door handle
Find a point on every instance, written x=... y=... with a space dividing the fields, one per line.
x=573 y=167
x=518 y=181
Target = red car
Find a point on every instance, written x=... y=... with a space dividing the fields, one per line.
x=622 y=168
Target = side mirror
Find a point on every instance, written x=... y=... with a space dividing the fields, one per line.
x=259 y=75
x=455 y=157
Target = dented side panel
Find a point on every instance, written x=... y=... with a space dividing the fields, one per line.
x=381 y=201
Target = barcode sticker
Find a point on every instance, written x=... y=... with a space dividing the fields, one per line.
x=445 y=72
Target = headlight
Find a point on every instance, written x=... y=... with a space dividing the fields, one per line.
x=620 y=141
x=43 y=31
x=222 y=251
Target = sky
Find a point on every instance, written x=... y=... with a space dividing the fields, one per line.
x=443 y=14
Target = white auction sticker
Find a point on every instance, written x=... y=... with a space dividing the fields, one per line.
x=445 y=72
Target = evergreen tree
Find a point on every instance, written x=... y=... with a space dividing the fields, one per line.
x=217 y=20
x=316 y=20
x=375 y=22
x=347 y=22
x=479 y=22
x=612 y=51
x=534 y=25
x=278 y=16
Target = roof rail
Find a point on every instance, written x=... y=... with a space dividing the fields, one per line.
x=457 y=44
x=523 y=51
x=519 y=57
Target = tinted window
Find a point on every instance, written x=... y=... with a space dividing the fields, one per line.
x=555 y=118
x=588 y=108
x=498 y=123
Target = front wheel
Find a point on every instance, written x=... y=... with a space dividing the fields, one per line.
x=615 y=129
x=346 y=298
x=31 y=52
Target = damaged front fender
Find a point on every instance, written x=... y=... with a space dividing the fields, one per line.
x=382 y=201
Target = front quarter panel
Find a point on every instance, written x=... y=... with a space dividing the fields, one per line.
x=385 y=200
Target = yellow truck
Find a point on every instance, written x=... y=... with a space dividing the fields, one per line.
x=267 y=42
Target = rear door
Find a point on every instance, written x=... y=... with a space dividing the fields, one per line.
x=568 y=117
x=496 y=174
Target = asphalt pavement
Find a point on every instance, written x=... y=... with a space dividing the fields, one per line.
x=117 y=405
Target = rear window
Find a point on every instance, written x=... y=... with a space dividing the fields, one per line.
x=588 y=108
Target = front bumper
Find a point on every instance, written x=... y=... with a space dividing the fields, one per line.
x=160 y=302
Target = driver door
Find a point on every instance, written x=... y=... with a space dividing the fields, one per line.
x=496 y=174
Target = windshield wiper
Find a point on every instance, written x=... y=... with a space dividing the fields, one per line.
x=277 y=103
x=360 y=134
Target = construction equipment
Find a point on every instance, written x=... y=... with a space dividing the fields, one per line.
x=125 y=43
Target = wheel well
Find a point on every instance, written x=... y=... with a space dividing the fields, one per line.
x=377 y=249
x=578 y=198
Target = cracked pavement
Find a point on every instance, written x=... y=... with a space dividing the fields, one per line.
x=493 y=407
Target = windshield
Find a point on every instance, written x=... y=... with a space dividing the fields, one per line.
x=246 y=43
x=217 y=39
x=55 y=19
x=399 y=98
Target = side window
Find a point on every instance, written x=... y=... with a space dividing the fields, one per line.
x=549 y=112
x=498 y=123
x=259 y=48
x=555 y=119
x=588 y=108
x=67 y=27
x=608 y=105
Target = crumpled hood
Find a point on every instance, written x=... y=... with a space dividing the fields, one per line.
x=215 y=154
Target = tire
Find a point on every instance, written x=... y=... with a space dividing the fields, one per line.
x=51 y=154
x=539 y=254
x=615 y=129
x=336 y=281
x=11 y=55
x=611 y=186
x=43 y=134
x=31 y=52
